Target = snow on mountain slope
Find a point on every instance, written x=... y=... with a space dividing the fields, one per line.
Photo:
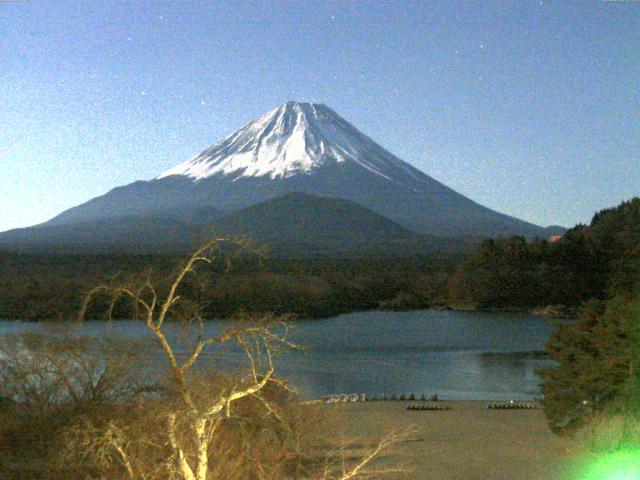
x=295 y=138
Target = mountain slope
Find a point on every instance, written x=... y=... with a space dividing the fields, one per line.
x=134 y=234
x=304 y=147
x=294 y=225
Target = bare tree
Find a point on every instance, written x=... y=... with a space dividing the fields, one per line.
x=49 y=380
x=342 y=463
x=202 y=413
x=198 y=410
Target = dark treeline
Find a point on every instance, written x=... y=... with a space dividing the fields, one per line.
x=597 y=377
x=597 y=261
x=51 y=287
x=41 y=287
x=595 y=269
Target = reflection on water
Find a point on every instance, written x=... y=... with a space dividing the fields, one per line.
x=458 y=355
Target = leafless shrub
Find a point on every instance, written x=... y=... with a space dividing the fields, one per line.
x=50 y=378
x=54 y=370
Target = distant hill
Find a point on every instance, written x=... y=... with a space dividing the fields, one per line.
x=303 y=224
x=293 y=225
x=299 y=216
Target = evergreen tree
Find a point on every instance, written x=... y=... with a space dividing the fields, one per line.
x=597 y=364
x=596 y=261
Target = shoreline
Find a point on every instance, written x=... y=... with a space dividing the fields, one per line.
x=542 y=312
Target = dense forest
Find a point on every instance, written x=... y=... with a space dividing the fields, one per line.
x=40 y=287
x=597 y=261
x=596 y=380
x=598 y=364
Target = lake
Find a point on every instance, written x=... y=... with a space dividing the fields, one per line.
x=457 y=355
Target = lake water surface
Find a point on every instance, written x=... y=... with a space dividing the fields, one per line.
x=458 y=355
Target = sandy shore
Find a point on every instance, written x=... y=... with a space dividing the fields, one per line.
x=468 y=442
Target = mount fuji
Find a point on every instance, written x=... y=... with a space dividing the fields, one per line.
x=298 y=147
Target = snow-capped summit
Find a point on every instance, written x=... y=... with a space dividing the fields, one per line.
x=295 y=138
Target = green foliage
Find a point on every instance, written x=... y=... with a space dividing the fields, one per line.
x=597 y=364
x=615 y=233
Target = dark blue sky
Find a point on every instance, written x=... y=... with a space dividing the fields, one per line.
x=531 y=108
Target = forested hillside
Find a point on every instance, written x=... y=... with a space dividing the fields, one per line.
x=597 y=378
x=598 y=261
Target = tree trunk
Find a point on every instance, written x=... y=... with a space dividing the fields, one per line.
x=202 y=456
x=183 y=465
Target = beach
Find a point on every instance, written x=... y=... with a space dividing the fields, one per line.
x=467 y=442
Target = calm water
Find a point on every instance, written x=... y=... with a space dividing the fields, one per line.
x=474 y=356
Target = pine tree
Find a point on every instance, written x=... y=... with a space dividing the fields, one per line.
x=597 y=364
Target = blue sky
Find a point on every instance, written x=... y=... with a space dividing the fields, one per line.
x=530 y=107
